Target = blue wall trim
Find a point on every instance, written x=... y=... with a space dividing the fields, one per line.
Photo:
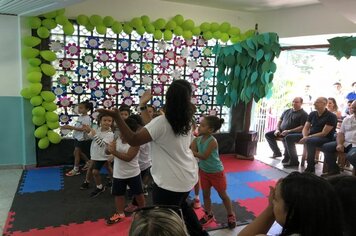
x=17 y=143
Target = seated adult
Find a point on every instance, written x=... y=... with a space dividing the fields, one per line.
x=345 y=187
x=157 y=221
x=319 y=129
x=345 y=142
x=291 y=121
x=303 y=204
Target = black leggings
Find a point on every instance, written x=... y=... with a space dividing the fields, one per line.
x=165 y=197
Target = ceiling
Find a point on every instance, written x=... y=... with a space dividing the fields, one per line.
x=249 y=5
x=33 y=7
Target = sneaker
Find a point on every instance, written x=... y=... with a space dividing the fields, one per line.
x=131 y=208
x=196 y=204
x=206 y=219
x=285 y=160
x=231 y=221
x=291 y=164
x=97 y=191
x=86 y=166
x=72 y=173
x=115 y=219
x=84 y=185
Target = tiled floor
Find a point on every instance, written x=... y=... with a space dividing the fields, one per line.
x=10 y=178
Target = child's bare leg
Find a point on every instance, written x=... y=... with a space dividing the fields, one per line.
x=120 y=204
x=227 y=202
x=97 y=178
x=196 y=190
x=207 y=200
x=88 y=175
x=77 y=153
x=140 y=200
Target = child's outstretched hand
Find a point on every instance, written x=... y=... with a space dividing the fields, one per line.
x=113 y=113
x=111 y=148
x=66 y=127
x=87 y=128
x=146 y=97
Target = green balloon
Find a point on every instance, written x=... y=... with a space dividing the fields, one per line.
x=25 y=92
x=188 y=25
x=187 y=34
x=48 y=96
x=150 y=28
x=205 y=27
x=224 y=37
x=53 y=137
x=31 y=41
x=38 y=120
x=48 y=55
x=167 y=35
x=53 y=125
x=38 y=111
x=214 y=27
x=96 y=20
x=136 y=22
x=35 y=88
x=89 y=27
x=217 y=34
x=108 y=21
x=145 y=20
x=51 y=116
x=127 y=28
x=224 y=27
x=34 y=62
x=101 y=29
x=178 y=31
x=49 y=23
x=68 y=29
x=159 y=23
x=140 y=30
x=157 y=34
x=41 y=131
x=50 y=15
x=234 y=31
x=196 y=31
x=34 y=77
x=33 y=69
x=179 y=19
x=43 y=143
x=62 y=20
x=28 y=52
x=49 y=106
x=43 y=32
x=48 y=69
x=117 y=27
x=82 y=20
x=171 y=25
x=207 y=35
x=61 y=11
x=34 y=22
x=235 y=39
x=36 y=100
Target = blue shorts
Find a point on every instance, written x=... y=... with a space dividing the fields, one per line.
x=119 y=186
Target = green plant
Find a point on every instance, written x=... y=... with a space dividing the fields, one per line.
x=342 y=47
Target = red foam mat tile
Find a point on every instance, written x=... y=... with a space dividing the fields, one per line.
x=87 y=228
x=255 y=205
x=262 y=186
x=231 y=164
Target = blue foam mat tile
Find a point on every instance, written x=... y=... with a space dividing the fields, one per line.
x=272 y=173
x=42 y=180
x=234 y=178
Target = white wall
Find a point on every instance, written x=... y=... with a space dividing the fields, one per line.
x=124 y=10
x=303 y=21
x=10 y=75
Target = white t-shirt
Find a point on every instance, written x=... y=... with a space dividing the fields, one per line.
x=174 y=167
x=125 y=169
x=348 y=128
x=99 y=143
x=82 y=120
x=144 y=158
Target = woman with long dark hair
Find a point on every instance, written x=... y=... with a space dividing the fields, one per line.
x=174 y=168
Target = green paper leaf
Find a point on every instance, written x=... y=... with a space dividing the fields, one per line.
x=238 y=47
x=237 y=71
x=259 y=54
x=250 y=44
x=254 y=77
x=266 y=38
x=221 y=88
x=234 y=96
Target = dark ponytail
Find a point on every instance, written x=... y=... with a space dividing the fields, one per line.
x=214 y=122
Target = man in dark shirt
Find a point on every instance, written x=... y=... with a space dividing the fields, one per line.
x=291 y=121
x=319 y=129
